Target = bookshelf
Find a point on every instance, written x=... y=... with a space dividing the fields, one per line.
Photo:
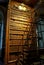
x=20 y=32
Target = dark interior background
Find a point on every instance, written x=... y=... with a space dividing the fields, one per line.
x=32 y=3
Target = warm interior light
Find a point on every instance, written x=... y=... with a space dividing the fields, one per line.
x=22 y=7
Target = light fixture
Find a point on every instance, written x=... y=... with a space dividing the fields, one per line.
x=22 y=7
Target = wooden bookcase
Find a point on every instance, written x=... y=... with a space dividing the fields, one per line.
x=19 y=27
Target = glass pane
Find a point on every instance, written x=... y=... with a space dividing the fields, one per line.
x=41 y=33
x=40 y=44
x=1 y=31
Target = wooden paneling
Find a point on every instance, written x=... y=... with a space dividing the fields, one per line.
x=19 y=26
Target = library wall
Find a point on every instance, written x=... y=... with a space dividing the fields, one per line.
x=20 y=31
